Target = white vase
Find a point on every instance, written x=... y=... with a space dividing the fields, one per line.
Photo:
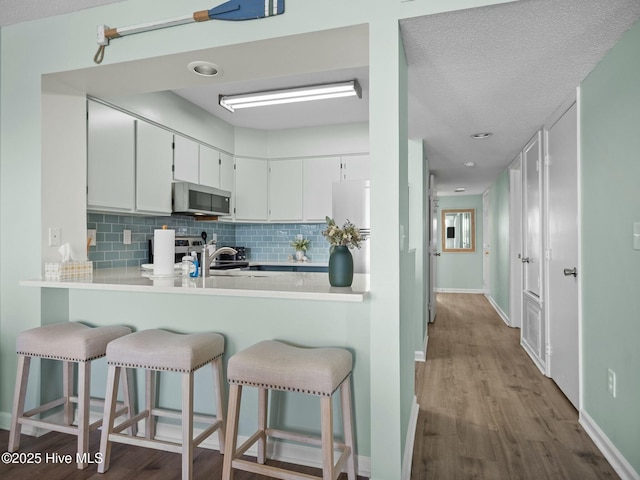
x=299 y=255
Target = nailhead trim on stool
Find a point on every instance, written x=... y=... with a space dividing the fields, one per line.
x=272 y=365
x=156 y=351
x=69 y=342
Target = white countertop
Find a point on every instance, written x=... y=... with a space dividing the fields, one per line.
x=236 y=283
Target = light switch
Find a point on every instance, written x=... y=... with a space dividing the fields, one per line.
x=636 y=236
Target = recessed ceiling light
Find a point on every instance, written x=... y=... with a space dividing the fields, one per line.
x=481 y=135
x=460 y=189
x=469 y=164
x=205 y=69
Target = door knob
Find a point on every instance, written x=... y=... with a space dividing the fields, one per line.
x=526 y=260
x=568 y=272
x=437 y=254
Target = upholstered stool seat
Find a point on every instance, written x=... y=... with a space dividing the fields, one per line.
x=156 y=351
x=72 y=343
x=272 y=365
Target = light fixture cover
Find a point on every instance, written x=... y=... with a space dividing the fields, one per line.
x=291 y=95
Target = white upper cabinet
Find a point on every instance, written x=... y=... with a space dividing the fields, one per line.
x=285 y=190
x=226 y=172
x=356 y=167
x=209 y=167
x=154 y=158
x=186 y=164
x=251 y=192
x=110 y=159
x=318 y=177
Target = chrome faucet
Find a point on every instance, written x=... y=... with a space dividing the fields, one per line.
x=208 y=258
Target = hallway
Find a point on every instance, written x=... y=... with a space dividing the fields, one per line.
x=486 y=412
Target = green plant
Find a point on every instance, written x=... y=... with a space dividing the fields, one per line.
x=348 y=235
x=300 y=244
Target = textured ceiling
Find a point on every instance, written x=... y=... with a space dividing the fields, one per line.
x=17 y=11
x=502 y=69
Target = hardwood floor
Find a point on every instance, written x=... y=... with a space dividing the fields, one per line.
x=127 y=462
x=486 y=412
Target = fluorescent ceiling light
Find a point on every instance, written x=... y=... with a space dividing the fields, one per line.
x=460 y=189
x=291 y=95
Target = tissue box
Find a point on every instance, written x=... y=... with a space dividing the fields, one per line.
x=68 y=270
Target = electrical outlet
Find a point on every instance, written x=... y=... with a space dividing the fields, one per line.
x=611 y=375
x=54 y=236
x=91 y=233
x=126 y=237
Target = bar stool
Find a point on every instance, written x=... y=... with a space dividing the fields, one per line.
x=272 y=365
x=155 y=351
x=71 y=343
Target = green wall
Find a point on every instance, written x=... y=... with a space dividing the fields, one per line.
x=461 y=271
x=499 y=257
x=610 y=166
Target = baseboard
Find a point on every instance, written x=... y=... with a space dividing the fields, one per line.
x=478 y=291
x=499 y=311
x=408 y=444
x=534 y=359
x=421 y=356
x=608 y=449
x=278 y=450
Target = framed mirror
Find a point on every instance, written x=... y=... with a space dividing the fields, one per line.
x=459 y=230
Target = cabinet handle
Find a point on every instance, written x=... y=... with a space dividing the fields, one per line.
x=569 y=272
x=526 y=260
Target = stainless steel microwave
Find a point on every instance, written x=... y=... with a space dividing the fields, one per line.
x=193 y=199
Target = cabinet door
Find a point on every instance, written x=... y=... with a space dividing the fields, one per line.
x=110 y=159
x=153 y=169
x=185 y=160
x=356 y=167
x=226 y=172
x=209 y=167
x=251 y=192
x=285 y=190
x=318 y=177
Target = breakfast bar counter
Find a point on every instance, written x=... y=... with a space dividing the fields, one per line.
x=236 y=283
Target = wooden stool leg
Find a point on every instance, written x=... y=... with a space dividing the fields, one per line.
x=127 y=392
x=327 y=437
x=67 y=387
x=263 y=405
x=19 y=395
x=345 y=397
x=150 y=403
x=111 y=396
x=216 y=367
x=84 y=387
x=231 y=442
x=187 y=425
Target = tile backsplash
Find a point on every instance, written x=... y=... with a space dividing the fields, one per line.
x=264 y=242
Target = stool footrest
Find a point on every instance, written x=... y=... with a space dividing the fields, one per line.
x=270 y=471
x=131 y=421
x=147 y=443
x=301 y=438
x=56 y=427
x=45 y=407
x=207 y=433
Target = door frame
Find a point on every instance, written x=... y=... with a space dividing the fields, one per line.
x=487 y=241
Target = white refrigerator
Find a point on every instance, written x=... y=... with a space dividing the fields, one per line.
x=351 y=201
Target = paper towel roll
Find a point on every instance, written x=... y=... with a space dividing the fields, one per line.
x=164 y=252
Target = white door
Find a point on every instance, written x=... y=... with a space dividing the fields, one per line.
x=285 y=190
x=433 y=246
x=515 y=243
x=563 y=243
x=208 y=167
x=186 y=164
x=154 y=157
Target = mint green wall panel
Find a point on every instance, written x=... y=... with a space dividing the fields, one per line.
x=610 y=145
x=499 y=256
